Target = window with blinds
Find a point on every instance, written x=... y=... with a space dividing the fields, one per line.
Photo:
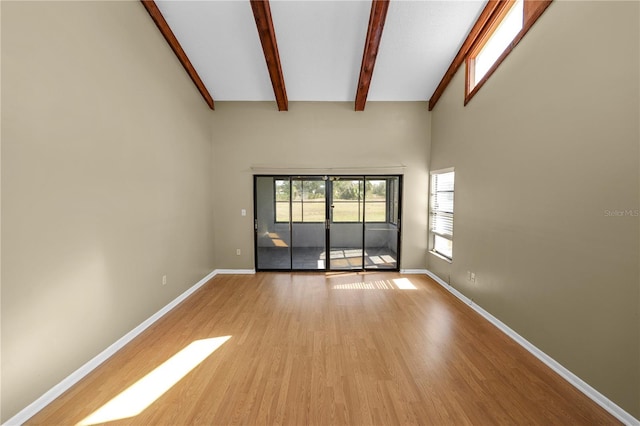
x=442 y=183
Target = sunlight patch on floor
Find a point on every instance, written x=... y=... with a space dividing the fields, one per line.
x=276 y=240
x=136 y=398
x=396 y=283
x=404 y=284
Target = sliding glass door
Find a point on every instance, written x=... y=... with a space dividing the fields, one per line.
x=305 y=223
x=381 y=222
x=308 y=223
x=272 y=222
x=346 y=224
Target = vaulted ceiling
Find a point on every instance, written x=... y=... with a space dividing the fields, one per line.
x=321 y=46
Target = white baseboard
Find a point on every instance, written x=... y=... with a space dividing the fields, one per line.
x=33 y=408
x=414 y=271
x=235 y=271
x=574 y=380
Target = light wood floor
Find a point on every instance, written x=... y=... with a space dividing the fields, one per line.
x=316 y=349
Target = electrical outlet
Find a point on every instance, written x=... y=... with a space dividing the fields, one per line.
x=164 y=280
x=243 y=212
x=238 y=252
x=473 y=277
x=468 y=275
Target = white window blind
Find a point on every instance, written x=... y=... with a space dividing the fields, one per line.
x=442 y=186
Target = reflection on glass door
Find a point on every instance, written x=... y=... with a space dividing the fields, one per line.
x=346 y=223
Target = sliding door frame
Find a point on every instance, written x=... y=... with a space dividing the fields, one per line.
x=328 y=222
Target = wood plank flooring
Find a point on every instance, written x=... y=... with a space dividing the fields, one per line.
x=324 y=349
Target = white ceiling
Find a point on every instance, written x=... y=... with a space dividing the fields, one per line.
x=321 y=44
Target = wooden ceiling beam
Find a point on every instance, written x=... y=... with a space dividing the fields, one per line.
x=264 y=24
x=374 y=35
x=163 y=26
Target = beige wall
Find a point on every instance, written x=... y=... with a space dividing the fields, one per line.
x=110 y=161
x=316 y=135
x=545 y=149
x=106 y=185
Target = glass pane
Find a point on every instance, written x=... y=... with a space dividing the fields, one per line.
x=346 y=233
x=296 y=189
x=282 y=211
x=273 y=238
x=443 y=246
x=296 y=211
x=375 y=211
x=313 y=198
x=347 y=200
x=381 y=224
x=313 y=211
x=499 y=40
x=347 y=211
x=376 y=189
x=376 y=200
x=308 y=233
x=281 y=189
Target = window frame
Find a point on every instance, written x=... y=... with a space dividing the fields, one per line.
x=391 y=203
x=302 y=201
x=359 y=201
x=393 y=216
x=432 y=212
x=291 y=202
x=532 y=10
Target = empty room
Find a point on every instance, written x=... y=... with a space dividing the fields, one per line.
x=298 y=212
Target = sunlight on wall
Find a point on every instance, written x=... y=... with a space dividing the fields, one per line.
x=135 y=399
